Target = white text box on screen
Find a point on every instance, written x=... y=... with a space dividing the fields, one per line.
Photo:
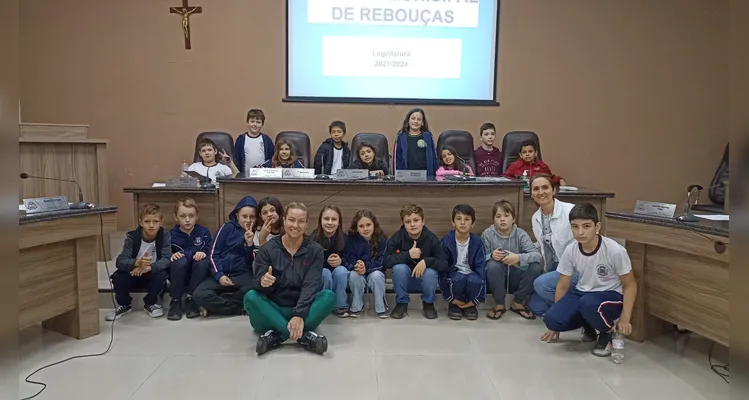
x=391 y=57
x=462 y=14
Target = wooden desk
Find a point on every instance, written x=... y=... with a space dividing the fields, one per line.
x=167 y=197
x=57 y=269
x=682 y=274
x=583 y=195
x=385 y=198
x=81 y=160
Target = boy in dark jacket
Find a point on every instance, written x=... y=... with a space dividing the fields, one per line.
x=231 y=258
x=416 y=256
x=189 y=262
x=142 y=263
x=333 y=154
x=288 y=301
x=253 y=148
x=463 y=284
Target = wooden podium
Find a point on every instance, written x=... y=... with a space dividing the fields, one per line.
x=57 y=276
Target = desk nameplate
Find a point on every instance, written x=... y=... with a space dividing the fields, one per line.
x=352 y=174
x=45 y=204
x=655 y=209
x=273 y=173
x=299 y=173
x=411 y=175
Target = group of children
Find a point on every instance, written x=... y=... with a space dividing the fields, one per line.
x=213 y=276
x=414 y=149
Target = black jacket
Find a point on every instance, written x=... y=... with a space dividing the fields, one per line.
x=325 y=153
x=126 y=260
x=377 y=165
x=298 y=278
x=431 y=250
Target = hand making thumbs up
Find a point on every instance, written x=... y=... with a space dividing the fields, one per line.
x=415 y=252
x=268 y=279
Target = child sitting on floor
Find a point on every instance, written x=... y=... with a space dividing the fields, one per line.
x=142 y=263
x=463 y=285
x=364 y=254
x=329 y=234
x=189 y=265
x=513 y=262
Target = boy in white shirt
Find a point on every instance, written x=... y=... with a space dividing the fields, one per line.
x=253 y=148
x=209 y=167
x=606 y=290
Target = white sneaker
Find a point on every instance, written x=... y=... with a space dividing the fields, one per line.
x=154 y=311
x=118 y=312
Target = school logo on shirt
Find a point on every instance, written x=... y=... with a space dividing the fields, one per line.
x=602 y=270
x=198 y=241
x=421 y=143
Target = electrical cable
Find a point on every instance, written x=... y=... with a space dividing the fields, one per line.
x=111 y=337
x=717 y=367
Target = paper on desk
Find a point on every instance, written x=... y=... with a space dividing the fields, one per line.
x=568 y=189
x=158 y=184
x=714 y=217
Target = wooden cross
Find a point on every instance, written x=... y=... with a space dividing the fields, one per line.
x=185 y=11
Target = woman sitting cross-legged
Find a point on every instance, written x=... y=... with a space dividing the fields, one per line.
x=288 y=301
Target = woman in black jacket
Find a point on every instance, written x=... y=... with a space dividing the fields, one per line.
x=288 y=301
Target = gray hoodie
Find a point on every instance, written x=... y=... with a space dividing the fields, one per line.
x=518 y=242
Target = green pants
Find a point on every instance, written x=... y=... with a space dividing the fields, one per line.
x=266 y=315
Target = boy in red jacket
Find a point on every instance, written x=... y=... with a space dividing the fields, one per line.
x=529 y=162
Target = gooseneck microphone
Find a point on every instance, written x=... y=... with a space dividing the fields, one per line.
x=80 y=204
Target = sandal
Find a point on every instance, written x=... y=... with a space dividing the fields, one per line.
x=496 y=313
x=529 y=315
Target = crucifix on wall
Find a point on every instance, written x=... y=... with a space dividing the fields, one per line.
x=185 y=11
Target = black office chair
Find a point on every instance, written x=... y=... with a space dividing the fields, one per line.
x=717 y=190
x=511 y=146
x=462 y=141
x=380 y=143
x=300 y=141
x=223 y=141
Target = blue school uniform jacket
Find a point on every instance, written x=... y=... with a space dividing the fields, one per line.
x=358 y=248
x=476 y=260
x=327 y=245
x=198 y=240
x=401 y=152
x=229 y=254
x=268 y=149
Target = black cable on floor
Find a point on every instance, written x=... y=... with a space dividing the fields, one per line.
x=722 y=371
x=111 y=337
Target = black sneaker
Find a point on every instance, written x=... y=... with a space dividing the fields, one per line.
x=175 y=310
x=313 y=342
x=589 y=334
x=400 y=310
x=191 y=308
x=429 y=311
x=603 y=345
x=341 y=313
x=118 y=312
x=454 y=312
x=471 y=313
x=268 y=341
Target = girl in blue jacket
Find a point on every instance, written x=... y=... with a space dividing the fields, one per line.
x=414 y=144
x=364 y=252
x=329 y=234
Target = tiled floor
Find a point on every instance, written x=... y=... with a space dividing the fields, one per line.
x=367 y=359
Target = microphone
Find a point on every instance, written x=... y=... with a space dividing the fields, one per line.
x=464 y=177
x=80 y=205
x=322 y=174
